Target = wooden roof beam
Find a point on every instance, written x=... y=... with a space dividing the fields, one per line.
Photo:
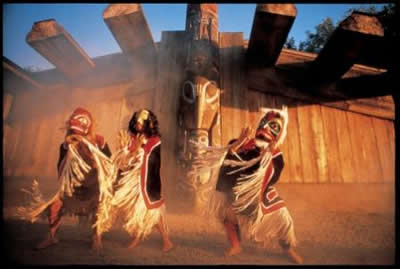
x=272 y=81
x=15 y=77
x=345 y=47
x=59 y=48
x=271 y=26
x=131 y=30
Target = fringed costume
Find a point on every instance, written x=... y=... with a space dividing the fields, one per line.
x=85 y=174
x=244 y=194
x=137 y=200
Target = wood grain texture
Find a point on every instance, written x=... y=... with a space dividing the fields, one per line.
x=334 y=166
x=294 y=144
x=234 y=105
x=356 y=131
x=384 y=149
x=165 y=102
x=308 y=153
x=319 y=143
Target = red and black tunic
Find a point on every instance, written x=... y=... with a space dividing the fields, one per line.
x=269 y=197
x=150 y=179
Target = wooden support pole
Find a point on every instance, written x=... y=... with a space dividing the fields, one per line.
x=271 y=26
x=345 y=47
x=17 y=78
x=59 y=48
x=131 y=30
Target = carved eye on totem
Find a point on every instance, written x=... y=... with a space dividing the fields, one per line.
x=189 y=92
x=211 y=91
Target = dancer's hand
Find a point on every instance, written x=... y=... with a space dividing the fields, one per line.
x=73 y=139
x=138 y=142
x=124 y=138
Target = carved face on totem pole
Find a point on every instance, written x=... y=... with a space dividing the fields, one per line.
x=199 y=95
x=199 y=103
x=199 y=108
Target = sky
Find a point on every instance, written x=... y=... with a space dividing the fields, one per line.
x=85 y=24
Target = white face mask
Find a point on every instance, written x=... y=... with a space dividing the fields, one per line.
x=143 y=116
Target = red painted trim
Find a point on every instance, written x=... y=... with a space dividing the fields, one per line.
x=151 y=144
x=272 y=195
x=267 y=178
x=272 y=208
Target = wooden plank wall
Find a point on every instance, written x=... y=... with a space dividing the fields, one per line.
x=36 y=128
x=165 y=105
x=323 y=144
x=233 y=86
x=328 y=145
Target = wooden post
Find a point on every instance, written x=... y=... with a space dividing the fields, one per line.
x=59 y=48
x=199 y=97
x=271 y=26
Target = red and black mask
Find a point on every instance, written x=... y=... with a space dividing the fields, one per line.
x=270 y=127
x=80 y=122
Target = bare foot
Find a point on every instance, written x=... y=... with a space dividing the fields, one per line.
x=233 y=251
x=97 y=245
x=167 y=246
x=294 y=256
x=134 y=244
x=47 y=243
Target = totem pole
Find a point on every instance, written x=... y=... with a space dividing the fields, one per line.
x=199 y=101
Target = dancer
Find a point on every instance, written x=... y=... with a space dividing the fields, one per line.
x=138 y=189
x=84 y=171
x=244 y=193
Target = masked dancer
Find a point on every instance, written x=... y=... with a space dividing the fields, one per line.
x=84 y=172
x=245 y=196
x=138 y=199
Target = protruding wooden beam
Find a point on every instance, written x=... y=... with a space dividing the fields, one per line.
x=130 y=29
x=14 y=77
x=59 y=48
x=271 y=26
x=346 y=46
x=346 y=94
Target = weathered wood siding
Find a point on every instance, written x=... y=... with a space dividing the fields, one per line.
x=35 y=129
x=323 y=145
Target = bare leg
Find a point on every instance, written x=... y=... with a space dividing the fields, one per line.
x=97 y=243
x=231 y=225
x=291 y=253
x=54 y=222
x=135 y=242
x=167 y=245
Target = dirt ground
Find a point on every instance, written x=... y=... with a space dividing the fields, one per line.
x=335 y=224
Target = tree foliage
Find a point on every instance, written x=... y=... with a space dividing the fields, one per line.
x=32 y=68
x=290 y=43
x=387 y=16
x=316 y=41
